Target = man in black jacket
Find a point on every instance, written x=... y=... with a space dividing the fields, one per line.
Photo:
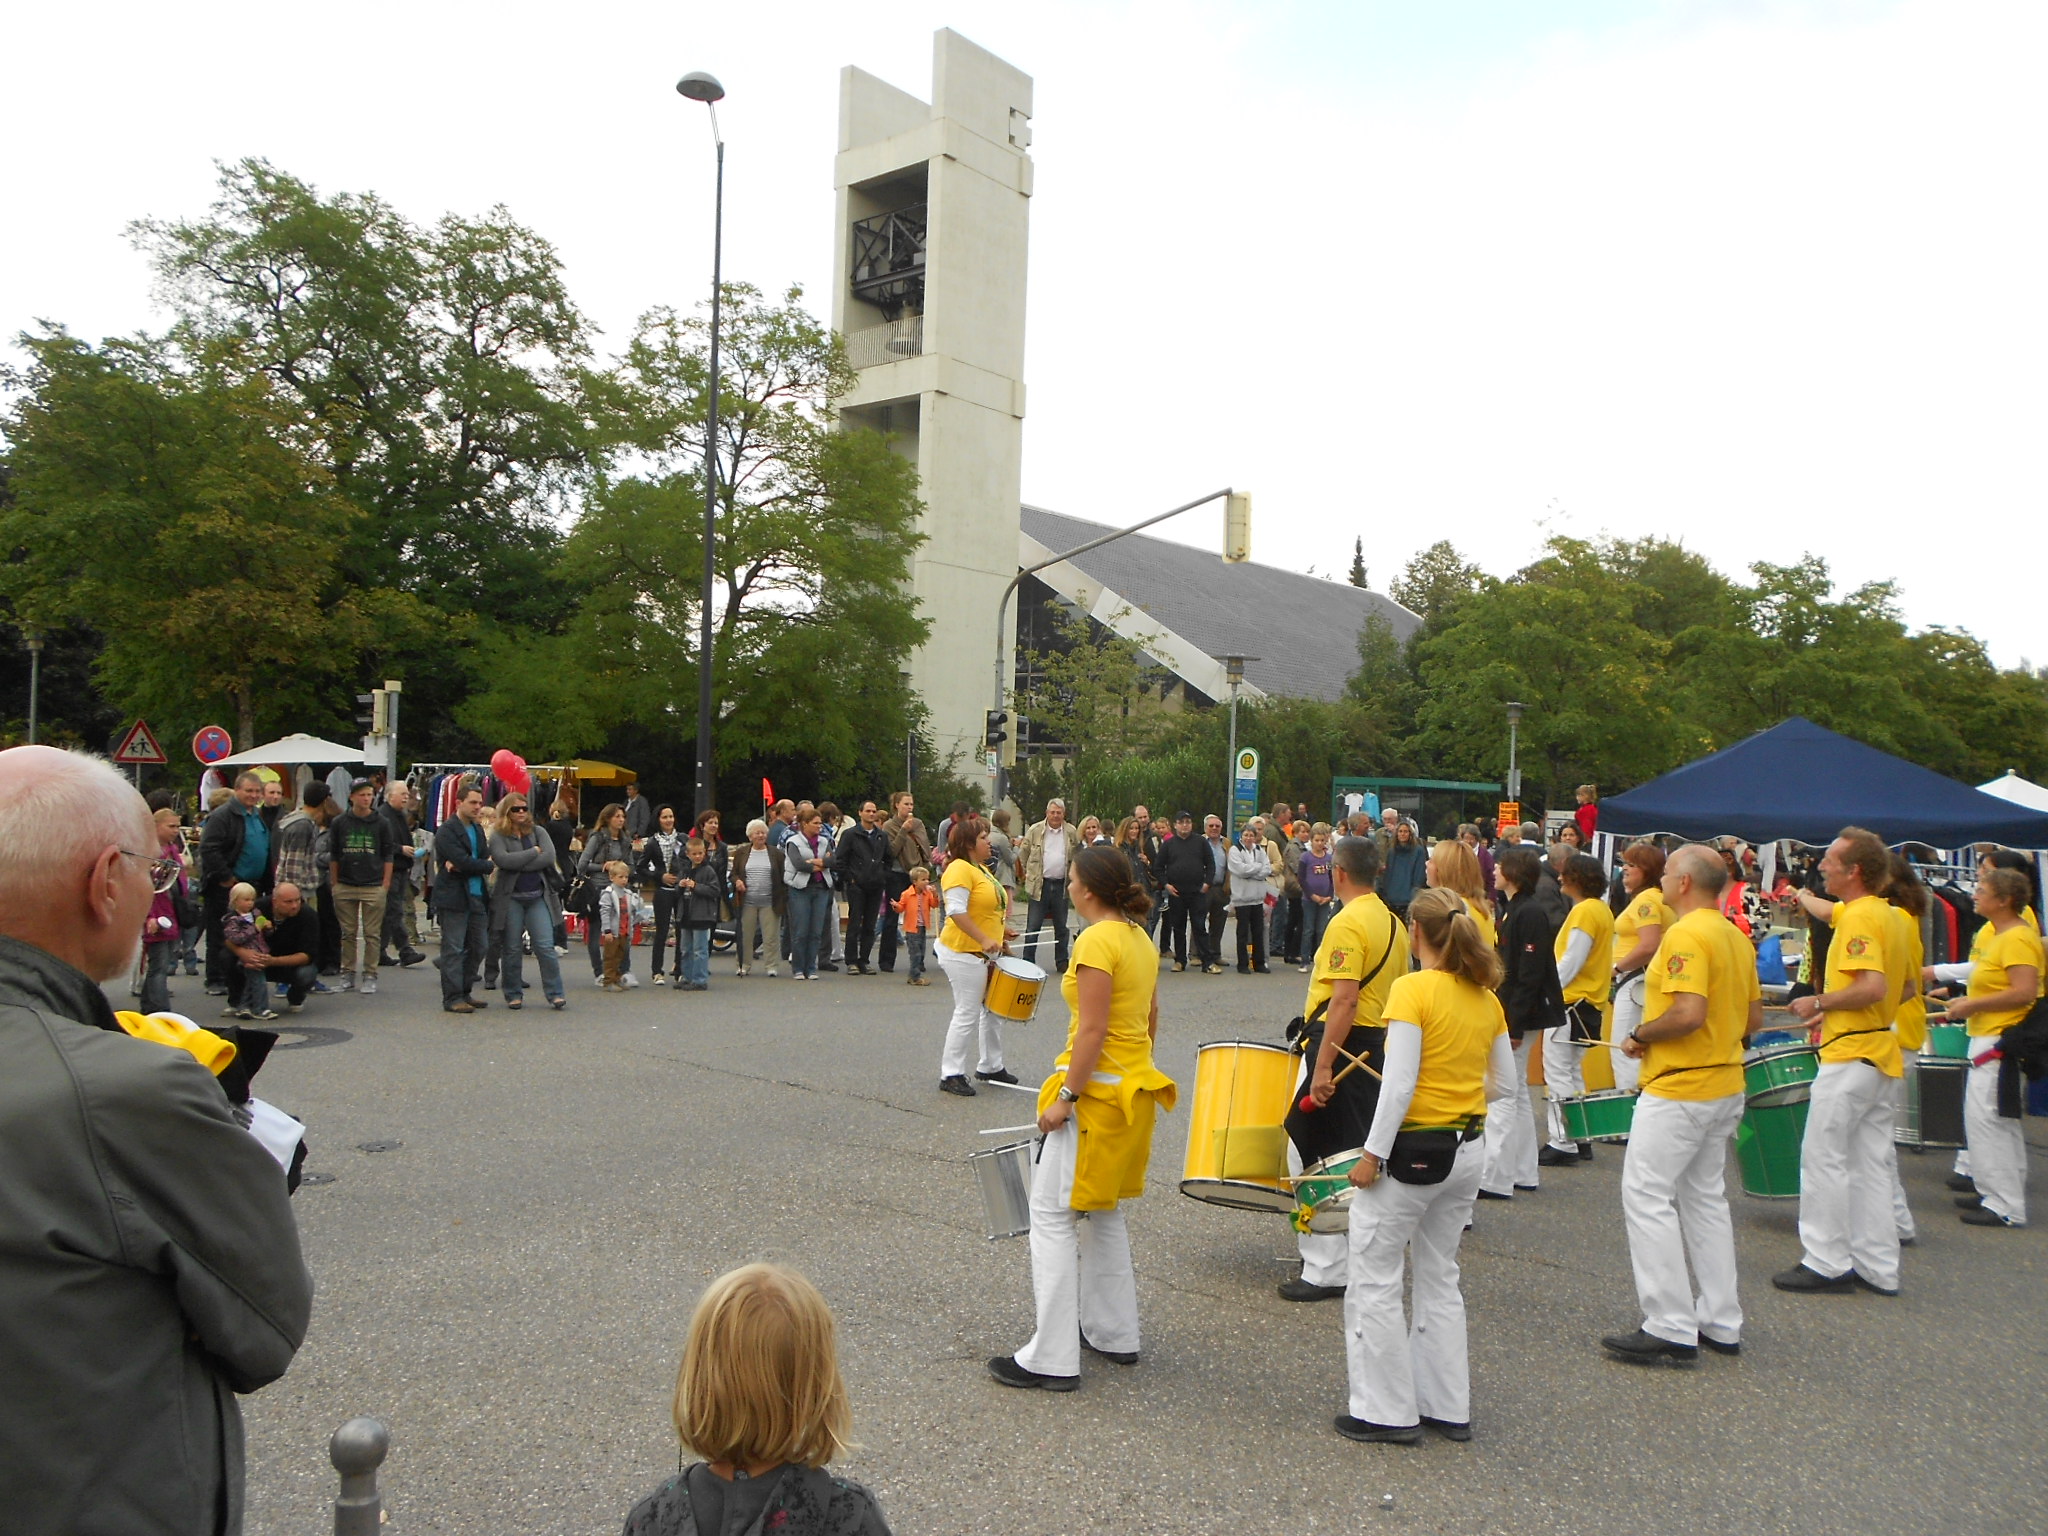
x=462 y=863
x=1533 y=1002
x=395 y=812
x=862 y=859
x=1184 y=878
x=234 y=845
x=1147 y=861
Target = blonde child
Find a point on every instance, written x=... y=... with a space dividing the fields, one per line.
x=615 y=915
x=242 y=932
x=760 y=1398
x=916 y=906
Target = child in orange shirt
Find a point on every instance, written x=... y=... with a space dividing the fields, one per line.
x=916 y=906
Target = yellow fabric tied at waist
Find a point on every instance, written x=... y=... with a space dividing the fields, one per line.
x=180 y=1034
x=1113 y=1130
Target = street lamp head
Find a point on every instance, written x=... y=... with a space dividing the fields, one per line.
x=699 y=86
x=1514 y=713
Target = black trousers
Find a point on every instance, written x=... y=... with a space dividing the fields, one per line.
x=1251 y=937
x=898 y=884
x=396 y=940
x=1185 y=914
x=863 y=912
x=1287 y=935
x=220 y=965
x=1049 y=906
x=1219 y=914
x=668 y=913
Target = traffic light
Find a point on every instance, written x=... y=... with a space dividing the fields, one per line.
x=993 y=735
x=373 y=712
x=1237 y=527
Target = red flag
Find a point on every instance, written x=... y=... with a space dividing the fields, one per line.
x=767 y=793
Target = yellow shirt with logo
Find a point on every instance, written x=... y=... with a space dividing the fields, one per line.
x=1645 y=909
x=1705 y=955
x=1864 y=941
x=1591 y=918
x=1113 y=1118
x=1983 y=937
x=1482 y=914
x=984 y=905
x=1459 y=1022
x=1358 y=934
x=1910 y=1022
x=2018 y=945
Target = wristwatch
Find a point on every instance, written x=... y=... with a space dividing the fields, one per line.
x=1067 y=1095
x=1639 y=1040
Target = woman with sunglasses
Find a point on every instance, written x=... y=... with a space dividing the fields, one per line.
x=526 y=899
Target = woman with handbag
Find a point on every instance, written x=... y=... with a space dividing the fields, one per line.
x=1447 y=1059
x=525 y=900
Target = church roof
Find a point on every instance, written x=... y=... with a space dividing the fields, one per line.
x=1303 y=629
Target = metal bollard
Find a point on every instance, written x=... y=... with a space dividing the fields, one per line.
x=357 y=1450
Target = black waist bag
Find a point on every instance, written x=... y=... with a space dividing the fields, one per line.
x=1584 y=1017
x=1427 y=1156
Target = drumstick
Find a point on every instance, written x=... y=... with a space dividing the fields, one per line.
x=1587 y=1045
x=1008 y=1130
x=1308 y=1104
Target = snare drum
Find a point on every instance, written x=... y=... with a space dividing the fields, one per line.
x=1767 y=1149
x=1599 y=1116
x=1004 y=1177
x=1237 y=1146
x=1780 y=1074
x=1322 y=1199
x=1012 y=990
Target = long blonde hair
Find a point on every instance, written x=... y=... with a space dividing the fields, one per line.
x=760 y=1377
x=1454 y=867
x=1440 y=915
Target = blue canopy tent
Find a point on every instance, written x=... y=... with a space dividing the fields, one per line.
x=1802 y=782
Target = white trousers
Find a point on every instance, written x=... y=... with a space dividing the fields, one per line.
x=968 y=975
x=1081 y=1276
x=1846 y=1166
x=1675 y=1198
x=1325 y=1256
x=1399 y=1371
x=1998 y=1147
x=1628 y=1013
x=1564 y=1076
x=1511 y=1134
x=1902 y=1211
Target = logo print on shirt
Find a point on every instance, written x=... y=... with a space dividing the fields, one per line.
x=1859 y=946
x=1675 y=966
x=1337 y=959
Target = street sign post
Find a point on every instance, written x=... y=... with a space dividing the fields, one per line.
x=1244 y=787
x=139 y=746
x=211 y=743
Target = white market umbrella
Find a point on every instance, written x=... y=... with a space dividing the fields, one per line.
x=2019 y=791
x=296 y=748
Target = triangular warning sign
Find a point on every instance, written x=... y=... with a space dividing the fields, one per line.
x=139 y=746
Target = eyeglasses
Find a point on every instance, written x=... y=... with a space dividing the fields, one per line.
x=163 y=872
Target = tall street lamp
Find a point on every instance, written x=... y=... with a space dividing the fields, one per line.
x=699 y=86
x=34 y=639
x=1514 y=773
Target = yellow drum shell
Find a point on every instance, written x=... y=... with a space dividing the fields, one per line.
x=1237 y=1148
x=1013 y=988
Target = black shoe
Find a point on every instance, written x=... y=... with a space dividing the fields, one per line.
x=1377 y=1434
x=1874 y=1289
x=1244 y=970
x=386 y=963
x=1460 y=1432
x=411 y=958
x=887 y=970
x=1299 y=1289
x=1487 y=1194
x=1719 y=1348
x=827 y=965
x=1527 y=1189
x=1260 y=970
x=1001 y=1075
x=1006 y=1370
x=1812 y=1282
x=1962 y=1183
x=956 y=1085
x=1984 y=1216
x=1113 y=1356
x=1645 y=1348
x=1969 y=1202
x=1585 y=1151
x=1557 y=1157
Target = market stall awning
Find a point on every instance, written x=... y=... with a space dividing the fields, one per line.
x=590 y=771
x=296 y=748
x=2019 y=791
x=1800 y=781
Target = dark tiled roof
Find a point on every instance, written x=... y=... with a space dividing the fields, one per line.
x=1304 y=628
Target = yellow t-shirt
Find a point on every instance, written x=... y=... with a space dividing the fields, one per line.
x=1482 y=914
x=1359 y=932
x=1119 y=949
x=1706 y=955
x=1910 y=1022
x=1864 y=941
x=1983 y=937
x=1591 y=918
x=1644 y=909
x=984 y=905
x=1459 y=1022
x=2018 y=945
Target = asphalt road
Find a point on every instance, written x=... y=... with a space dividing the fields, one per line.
x=509 y=1286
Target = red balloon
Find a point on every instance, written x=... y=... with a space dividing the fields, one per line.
x=510 y=769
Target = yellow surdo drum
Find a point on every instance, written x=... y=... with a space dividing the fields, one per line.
x=1237 y=1150
x=1013 y=988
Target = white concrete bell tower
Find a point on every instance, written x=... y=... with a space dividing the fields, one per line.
x=932 y=216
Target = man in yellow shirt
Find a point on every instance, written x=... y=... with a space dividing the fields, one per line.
x=1364 y=949
x=1702 y=1001
x=1845 y=1161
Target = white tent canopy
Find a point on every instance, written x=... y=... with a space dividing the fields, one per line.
x=2019 y=791
x=296 y=748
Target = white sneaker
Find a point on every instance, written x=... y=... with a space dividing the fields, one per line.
x=771 y=970
x=740 y=970
x=369 y=986
x=630 y=980
x=348 y=981
x=659 y=980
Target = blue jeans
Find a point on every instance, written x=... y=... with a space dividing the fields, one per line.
x=693 y=954
x=1314 y=919
x=1049 y=905
x=156 y=980
x=808 y=909
x=915 y=942
x=465 y=933
x=530 y=916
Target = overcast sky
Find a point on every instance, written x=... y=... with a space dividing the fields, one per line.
x=1764 y=277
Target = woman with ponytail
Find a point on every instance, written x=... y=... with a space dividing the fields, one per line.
x=1103 y=1084
x=1454 y=867
x=1447 y=1058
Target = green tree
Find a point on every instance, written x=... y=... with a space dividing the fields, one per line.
x=1088 y=695
x=1358 y=578
x=1435 y=584
x=172 y=512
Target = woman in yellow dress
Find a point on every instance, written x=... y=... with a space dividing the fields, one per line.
x=1096 y=1113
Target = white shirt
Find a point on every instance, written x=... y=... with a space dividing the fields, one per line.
x=1056 y=851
